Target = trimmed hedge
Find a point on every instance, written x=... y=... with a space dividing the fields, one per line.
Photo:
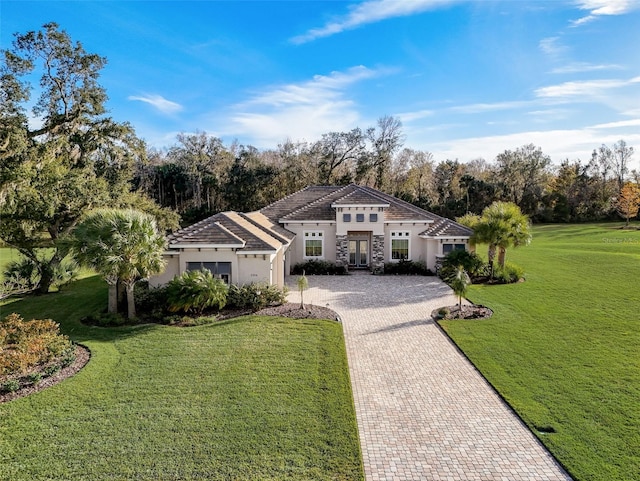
x=314 y=267
x=406 y=267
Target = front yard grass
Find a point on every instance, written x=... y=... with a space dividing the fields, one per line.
x=563 y=348
x=248 y=398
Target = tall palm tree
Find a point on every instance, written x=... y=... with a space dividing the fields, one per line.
x=122 y=245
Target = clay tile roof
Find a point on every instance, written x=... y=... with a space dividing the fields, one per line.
x=360 y=197
x=295 y=201
x=207 y=231
x=399 y=209
x=229 y=229
x=276 y=230
x=320 y=209
x=447 y=228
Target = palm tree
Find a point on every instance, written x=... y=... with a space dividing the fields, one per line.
x=122 y=245
x=459 y=282
x=502 y=225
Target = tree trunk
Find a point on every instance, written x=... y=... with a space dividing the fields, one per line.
x=46 y=274
x=113 y=299
x=502 y=253
x=131 y=302
x=491 y=255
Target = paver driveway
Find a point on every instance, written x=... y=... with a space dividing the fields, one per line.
x=423 y=411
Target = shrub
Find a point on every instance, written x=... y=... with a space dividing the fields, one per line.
x=255 y=296
x=51 y=369
x=34 y=378
x=406 y=267
x=509 y=274
x=318 y=267
x=195 y=291
x=27 y=344
x=23 y=276
x=10 y=385
x=150 y=301
x=470 y=262
x=64 y=273
x=105 y=319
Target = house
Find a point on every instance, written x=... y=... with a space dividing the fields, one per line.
x=354 y=226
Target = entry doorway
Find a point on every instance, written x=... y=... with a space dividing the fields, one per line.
x=358 y=253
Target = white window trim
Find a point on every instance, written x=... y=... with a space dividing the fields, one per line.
x=399 y=235
x=307 y=235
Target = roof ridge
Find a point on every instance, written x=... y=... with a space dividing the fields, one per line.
x=403 y=203
x=300 y=209
x=260 y=234
x=267 y=230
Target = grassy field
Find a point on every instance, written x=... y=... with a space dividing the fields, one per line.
x=563 y=348
x=249 y=398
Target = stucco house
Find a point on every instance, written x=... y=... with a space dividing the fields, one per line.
x=355 y=226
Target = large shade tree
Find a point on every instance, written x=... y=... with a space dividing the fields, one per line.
x=122 y=246
x=60 y=155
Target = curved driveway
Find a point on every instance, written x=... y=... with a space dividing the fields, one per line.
x=423 y=411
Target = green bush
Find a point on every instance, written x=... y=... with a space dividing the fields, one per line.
x=195 y=291
x=255 y=296
x=105 y=319
x=23 y=275
x=34 y=378
x=318 y=267
x=150 y=302
x=470 y=262
x=51 y=370
x=406 y=267
x=10 y=385
x=509 y=274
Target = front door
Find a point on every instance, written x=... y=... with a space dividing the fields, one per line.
x=359 y=253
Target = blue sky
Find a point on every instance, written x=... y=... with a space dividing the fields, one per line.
x=468 y=79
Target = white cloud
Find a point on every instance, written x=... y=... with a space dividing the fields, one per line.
x=552 y=47
x=583 y=88
x=558 y=144
x=490 y=107
x=159 y=102
x=407 y=117
x=370 y=12
x=577 y=67
x=302 y=111
x=597 y=8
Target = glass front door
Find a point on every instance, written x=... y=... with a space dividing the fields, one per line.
x=359 y=253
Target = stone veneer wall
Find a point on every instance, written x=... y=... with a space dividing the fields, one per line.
x=377 y=254
x=342 y=250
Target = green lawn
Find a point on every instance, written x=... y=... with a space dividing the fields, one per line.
x=248 y=398
x=563 y=348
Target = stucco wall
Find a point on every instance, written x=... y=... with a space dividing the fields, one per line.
x=377 y=228
x=171 y=270
x=254 y=268
x=296 y=251
x=417 y=246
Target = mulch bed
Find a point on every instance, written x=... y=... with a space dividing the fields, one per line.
x=293 y=311
x=467 y=312
x=82 y=358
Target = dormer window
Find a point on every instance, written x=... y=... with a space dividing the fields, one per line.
x=346 y=217
x=373 y=217
x=359 y=217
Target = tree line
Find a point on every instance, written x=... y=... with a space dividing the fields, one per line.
x=199 y=175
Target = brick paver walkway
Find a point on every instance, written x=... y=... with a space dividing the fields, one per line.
x=423 y=411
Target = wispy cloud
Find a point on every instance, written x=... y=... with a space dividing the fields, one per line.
x=302 y=110
x=577 y=67
x=552 y=47
x=586 y=88
x=159 y=102
x=598 y=8
x=370 y=12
